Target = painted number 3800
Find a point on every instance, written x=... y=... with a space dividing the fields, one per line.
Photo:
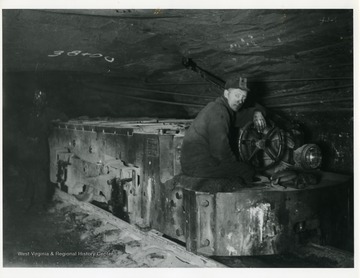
x=79 y=52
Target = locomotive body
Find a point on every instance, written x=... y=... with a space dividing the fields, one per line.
x=132 y=168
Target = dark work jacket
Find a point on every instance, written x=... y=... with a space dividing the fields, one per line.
x=211 y=138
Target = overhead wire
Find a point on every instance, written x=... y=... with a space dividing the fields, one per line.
x=151 y=100
x=307 y=92
x=304 y=103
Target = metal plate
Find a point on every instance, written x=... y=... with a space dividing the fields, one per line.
x=261 y=221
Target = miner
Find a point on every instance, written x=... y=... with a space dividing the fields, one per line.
x=209 y=148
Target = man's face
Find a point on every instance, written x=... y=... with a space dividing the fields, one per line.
x=235 y=97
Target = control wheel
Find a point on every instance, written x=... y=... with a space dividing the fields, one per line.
x=261 y=149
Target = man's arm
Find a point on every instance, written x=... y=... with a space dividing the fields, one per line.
x=246 y=115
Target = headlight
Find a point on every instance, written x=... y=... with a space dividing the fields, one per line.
x=308 y=156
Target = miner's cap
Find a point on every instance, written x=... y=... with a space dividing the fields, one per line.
x=237 y=83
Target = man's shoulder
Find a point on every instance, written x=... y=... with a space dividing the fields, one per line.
x=218 y=104
x=214 y=111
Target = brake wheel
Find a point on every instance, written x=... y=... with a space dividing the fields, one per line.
x=262 y=150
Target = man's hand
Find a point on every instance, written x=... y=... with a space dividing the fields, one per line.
x=259 y=121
